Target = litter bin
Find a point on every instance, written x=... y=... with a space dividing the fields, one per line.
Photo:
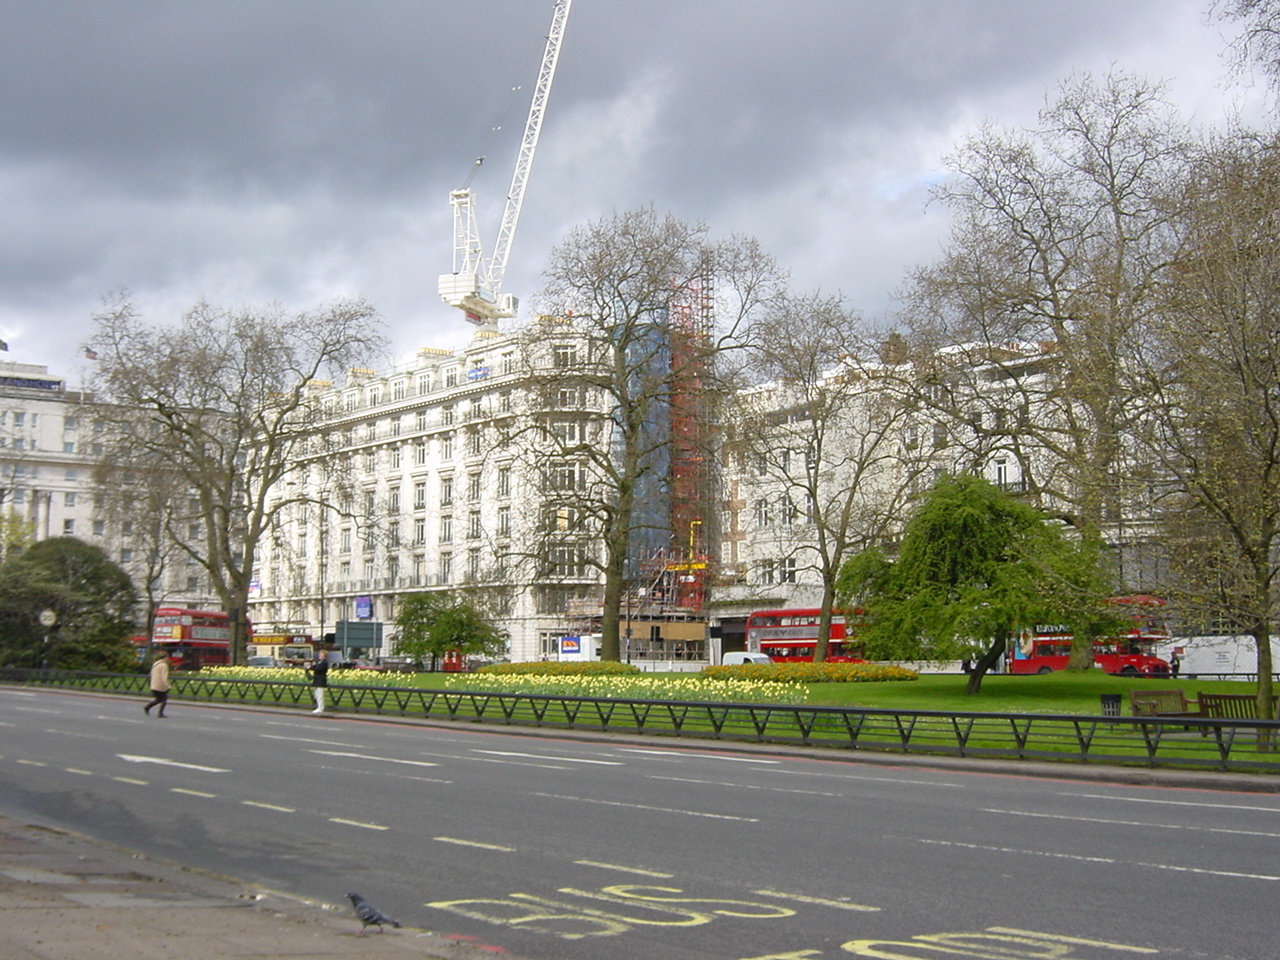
x=1111 y=704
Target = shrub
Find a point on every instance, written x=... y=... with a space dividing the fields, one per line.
x=811 y=672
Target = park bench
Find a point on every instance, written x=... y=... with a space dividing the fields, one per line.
x=1162 y=703
x=1228 y=706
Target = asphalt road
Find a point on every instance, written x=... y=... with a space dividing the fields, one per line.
x=567 y=849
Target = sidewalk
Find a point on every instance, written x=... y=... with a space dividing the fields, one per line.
x=67 y=897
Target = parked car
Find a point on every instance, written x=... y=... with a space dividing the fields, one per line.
x=737 y=657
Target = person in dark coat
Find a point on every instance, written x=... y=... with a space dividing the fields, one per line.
x=320 y=680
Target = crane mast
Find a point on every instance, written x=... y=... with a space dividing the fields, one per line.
x=475 y=285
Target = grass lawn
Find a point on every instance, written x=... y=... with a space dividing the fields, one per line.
x=1049 y=693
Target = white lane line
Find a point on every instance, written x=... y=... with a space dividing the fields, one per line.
x=1134 y=823
x=839 y=904
x=857 y=778
x=746 y=786
x=268 y=806
x=645 y=806
x=700 y=756
x=32 y=763
x=536 y=756
x=56 y=713
x=192 y=793
x=139 y=783
x=131 y=758
x=475 y=843
x=83 y=773
x=1111 y=860
x=468 y=759
x=1173 y=803
x=635 y=870
x=327 y=743
x=366 y=756
x=1081 y=941
x=358 y=823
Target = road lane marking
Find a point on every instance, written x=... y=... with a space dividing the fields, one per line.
x=475 y=843
x=83 y=773
x=746 y=786
x=820 y=901
x=1134 y=823
x=1173 y=803
x=192 y=793
x=33 y=763
x=139 y=783
x=1081 y=941
x=358 y=823
x=645 y=806
x=700 y=756
x=535 y=756
x=328 y=743
x=56 y=713
x=1110 y=860
x=365 y=756
x=268 y=806
x=130 y=758
x=635 y=870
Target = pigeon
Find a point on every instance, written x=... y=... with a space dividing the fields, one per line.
x=370 y=916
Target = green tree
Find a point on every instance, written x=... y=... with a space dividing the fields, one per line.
x=432 y=624
x=975 y=568
x=92 y=598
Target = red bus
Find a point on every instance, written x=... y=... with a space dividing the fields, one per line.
x=790 y=636
x=1131 y=653
x=194 y=638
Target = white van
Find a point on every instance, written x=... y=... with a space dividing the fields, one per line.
x=737 y=657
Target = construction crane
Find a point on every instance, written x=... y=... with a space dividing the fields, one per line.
x=475 y=285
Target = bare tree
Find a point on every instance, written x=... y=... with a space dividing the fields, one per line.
x=822 y=441
x=1021 y=332
x=637 y=307
x=224 y=400
x=1213 y=393
x=1260 y=40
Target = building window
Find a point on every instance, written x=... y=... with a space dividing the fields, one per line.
x=446 y=491
x=395 y=426
x=420 y=496
x=508 y=363
x=787 y=570
x=419 y=454
x=393 y=533
x=446 y=447
x=68 y=447
x=69 y=499
x=99 y=528
x=504 y=481
x=422 y=420
x=451 y=377
x=504 y=521
x=766 y=571
x=446 y=529
x=761 y=510
x=424 y=384
x=504 y=401
x=564 y=356
x=473 y=486
x=393 y=500
x=370 y=461
x=395 y=458
x=473 y=525
x=68 y=528
x=420 y=531
x=446 y=415
x=446 y=568
x=344 y=540
x=397 y=390
x=473 y=564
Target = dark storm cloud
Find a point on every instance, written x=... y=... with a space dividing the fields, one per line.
x=300 y=149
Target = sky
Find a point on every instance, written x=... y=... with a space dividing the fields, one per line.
x=246 y=152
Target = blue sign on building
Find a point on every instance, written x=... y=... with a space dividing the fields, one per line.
x=364 y=608
x=570 y=645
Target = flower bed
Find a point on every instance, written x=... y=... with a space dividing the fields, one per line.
x=636 y=686
x=811 y=672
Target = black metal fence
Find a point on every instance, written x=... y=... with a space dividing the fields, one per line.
x=1185 y=742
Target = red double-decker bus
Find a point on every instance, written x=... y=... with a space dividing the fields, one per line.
x=1129 y=653
x=791 y=635
x=194 y=638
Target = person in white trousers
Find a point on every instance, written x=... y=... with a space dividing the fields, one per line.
x=320 y=680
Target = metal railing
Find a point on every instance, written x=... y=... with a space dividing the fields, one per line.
x=1183 y=742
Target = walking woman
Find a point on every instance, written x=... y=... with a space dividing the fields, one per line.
x=159 y=685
